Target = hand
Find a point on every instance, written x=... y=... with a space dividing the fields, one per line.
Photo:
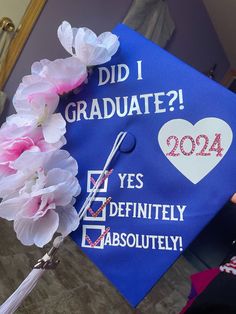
x=233 y=198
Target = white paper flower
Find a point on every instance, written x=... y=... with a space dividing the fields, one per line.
x=84 y=44
x=64 y=74
x=41 y=200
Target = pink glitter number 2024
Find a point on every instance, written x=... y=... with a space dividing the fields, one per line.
x=201 y=139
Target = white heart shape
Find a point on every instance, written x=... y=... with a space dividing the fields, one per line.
x=195 y=149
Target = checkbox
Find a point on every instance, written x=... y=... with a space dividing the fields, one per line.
x=92 y=177
x=95 y=213
x=93 y=232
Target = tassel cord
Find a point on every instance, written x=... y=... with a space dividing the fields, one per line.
x=46 y=262
x=93 y=193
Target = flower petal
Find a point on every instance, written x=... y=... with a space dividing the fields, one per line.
x=65 y=35
x=11 y=184
x=62 y=159
x=110 y=41
x=44 y=146
x=37 y=66
x=11 y=207
x=84 y=35
x=54 y=128
x=93 y=55
x=68 y=219
x=93 y=50
x=38 y=232
x=29 y=162
x=66 y=184
x=45 y=228
x=65 y=74
x=30 y=89
x=22 y=120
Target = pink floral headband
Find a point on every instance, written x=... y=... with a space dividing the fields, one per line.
x=37 y=178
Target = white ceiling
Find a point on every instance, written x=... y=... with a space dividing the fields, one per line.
x=223 y=17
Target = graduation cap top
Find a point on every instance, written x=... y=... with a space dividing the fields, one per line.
x=176 y=168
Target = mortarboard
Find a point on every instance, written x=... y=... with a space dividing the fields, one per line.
x=175 y=168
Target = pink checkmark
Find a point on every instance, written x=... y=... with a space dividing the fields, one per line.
x=99 y=239
x=103 y=179
x=100 y=209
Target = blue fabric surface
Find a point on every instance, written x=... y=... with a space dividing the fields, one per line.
x=145 y=240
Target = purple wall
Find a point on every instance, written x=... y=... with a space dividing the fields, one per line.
x=195 y=40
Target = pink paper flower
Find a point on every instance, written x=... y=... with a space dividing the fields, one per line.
x=35 y=102
x=86 y=46
x=15 y=140
x=39 y=112
x=32 y=88
x=29 y=164
x=38 y=182
x=64 y=74
x=42 y=203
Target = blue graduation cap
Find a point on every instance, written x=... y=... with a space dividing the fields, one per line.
x=174 y=172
